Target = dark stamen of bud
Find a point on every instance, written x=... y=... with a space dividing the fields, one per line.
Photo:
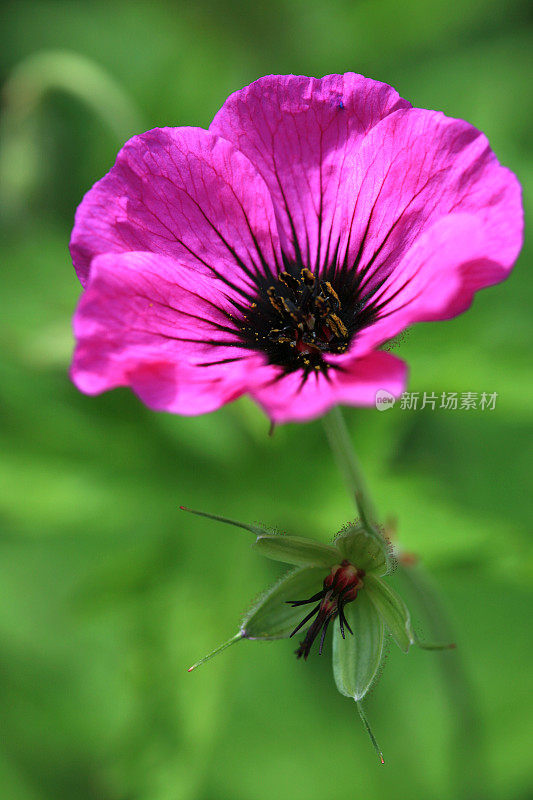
x=324 y=629
x=305 y=619
x=343 y=622
x=313 y=599
x=340 y=587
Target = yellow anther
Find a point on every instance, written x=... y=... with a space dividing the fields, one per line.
x=307 y=277
x=331 y=291
x=336 y=325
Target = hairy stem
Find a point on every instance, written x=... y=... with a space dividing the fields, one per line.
x=455 y=679
x=341 y=446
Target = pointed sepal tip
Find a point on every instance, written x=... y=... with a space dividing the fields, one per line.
x=238 y=636
x=368 y=729
x=256 y=530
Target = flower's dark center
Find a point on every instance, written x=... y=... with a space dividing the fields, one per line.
x=307 y=311
x=298 y=319
x=340 y=587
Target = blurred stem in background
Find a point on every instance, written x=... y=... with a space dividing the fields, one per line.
x=466 y=739
x=456 y=682
x=21 y=146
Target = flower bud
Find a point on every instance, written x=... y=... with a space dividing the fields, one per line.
x=343 y=583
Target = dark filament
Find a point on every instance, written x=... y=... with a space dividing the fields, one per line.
x=340 y=587
x=299 y=318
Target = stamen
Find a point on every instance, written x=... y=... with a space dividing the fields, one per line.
x=297 y=317
x=323 y=636
x=274 y=299
x=289 y=281
x=337 y=325
x=313 y=599
x=307 y=277
x=343 y=622
x=340 y=587
x=304 y=321
x=331 y=291
x=306 y=619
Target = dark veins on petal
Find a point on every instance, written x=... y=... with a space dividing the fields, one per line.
x=295 y=316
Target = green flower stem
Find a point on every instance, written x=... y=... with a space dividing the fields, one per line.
x=455 y=680
x=341 y=446
x=348 y=464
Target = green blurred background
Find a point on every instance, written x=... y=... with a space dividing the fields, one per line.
x=108 y=592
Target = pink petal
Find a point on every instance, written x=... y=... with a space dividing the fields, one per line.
x=436 y=279
x=412 y=169
x=290 y=400
x=167 y=387
x=180 y=192
x=301 y=134
x=148 y=322
x=351 y=165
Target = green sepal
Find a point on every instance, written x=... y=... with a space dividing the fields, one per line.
x=217 y=650
x=255 y=529
x=370 y=732
x=363 y=550
x=272 y=617
x=296 y=550
x=392 y=610
x=356 y=658
x=280 y=547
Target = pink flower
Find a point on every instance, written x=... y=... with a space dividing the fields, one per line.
x=276 y=252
